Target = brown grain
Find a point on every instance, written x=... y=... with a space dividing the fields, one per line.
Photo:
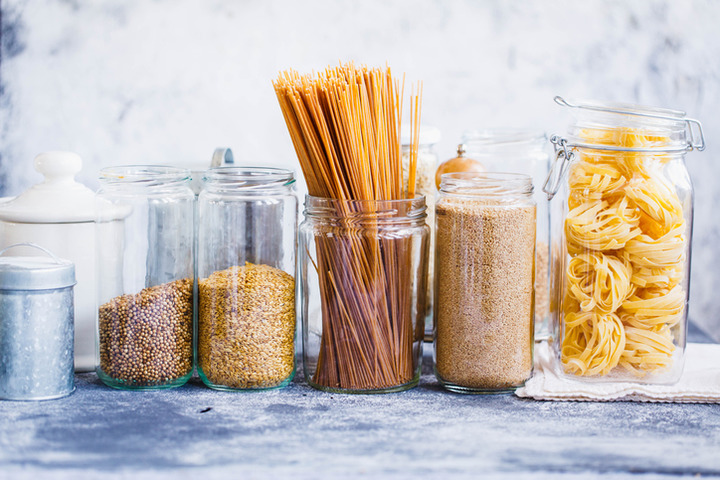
x=146 y=338
x=246 y=327
x=485 y=266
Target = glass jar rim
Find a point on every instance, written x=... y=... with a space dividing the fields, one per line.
x=408 y=208
x=248 y=177
x=486 y=183
x=503 y=137
x=144 y=175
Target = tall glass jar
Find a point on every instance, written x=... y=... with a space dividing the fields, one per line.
x=622 y=225
x=427 y=163
x=145 y=277
x=485 y=224
x=246 y=278
x=363 y=272
x=525 y=151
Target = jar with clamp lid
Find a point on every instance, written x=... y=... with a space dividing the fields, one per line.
x=621 y=234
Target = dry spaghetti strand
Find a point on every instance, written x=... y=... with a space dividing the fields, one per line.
x=344 y=123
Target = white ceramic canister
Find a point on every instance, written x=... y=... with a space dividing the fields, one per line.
x=59 y=215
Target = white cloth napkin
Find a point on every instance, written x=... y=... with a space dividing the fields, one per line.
x=699 y=383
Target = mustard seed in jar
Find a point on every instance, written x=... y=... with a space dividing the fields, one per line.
x=146 y=338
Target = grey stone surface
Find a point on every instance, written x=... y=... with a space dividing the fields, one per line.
x=298 y=432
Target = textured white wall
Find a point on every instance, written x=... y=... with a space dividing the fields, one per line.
x=167 y=81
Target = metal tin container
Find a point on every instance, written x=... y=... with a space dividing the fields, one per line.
x=36 y=327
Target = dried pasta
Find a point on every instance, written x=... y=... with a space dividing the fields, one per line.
x=625 y=233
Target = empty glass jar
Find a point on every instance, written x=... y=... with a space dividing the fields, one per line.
x=622 y=228
x=146 y=276
x=246 y=278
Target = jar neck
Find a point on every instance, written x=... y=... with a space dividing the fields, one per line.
x=249 y=180
x=488 y=185
x=144 y=178
x=410 y=212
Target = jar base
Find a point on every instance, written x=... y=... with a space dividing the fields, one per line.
x=224 y=388
x=125 y=385
x=394 y=389
x=455 y=388
x=37 y=399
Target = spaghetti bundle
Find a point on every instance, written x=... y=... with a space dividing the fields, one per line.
x=625 y=234
x=345 y=126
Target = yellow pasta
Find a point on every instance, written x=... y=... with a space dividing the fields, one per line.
x=601 y=226
x=625 y=234
x=599 y=282
x=656 y=277
x=660 y=208
x=593 y=343
x=664 y=252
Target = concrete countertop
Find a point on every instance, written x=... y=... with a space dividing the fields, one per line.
x=298 y=432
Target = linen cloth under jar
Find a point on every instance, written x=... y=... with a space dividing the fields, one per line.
x=59 y=214
x=246 y=278
x=485 y=226
x=36 y=326
x=525 y=151
x=427 y=163
x=362 y=268
x=622 y=226
x=146 y=278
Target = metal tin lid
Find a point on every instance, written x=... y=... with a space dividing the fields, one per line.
x=35 y=273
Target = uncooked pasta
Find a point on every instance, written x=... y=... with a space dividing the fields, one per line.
x=626 y=236
x=345 y=126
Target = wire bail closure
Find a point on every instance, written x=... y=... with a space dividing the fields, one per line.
x=563 y=157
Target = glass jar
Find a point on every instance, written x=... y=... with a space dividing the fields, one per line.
x=246 y=278
x=146 y=277
x=427 y=163
x=485 y=224
x=622 y=225
x=363 y=273
x=528 y=152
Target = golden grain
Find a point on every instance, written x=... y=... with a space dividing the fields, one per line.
x=246 y=327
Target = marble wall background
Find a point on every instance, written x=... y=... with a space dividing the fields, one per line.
x=167 y=81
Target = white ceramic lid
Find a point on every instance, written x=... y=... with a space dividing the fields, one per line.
x=58 y=199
